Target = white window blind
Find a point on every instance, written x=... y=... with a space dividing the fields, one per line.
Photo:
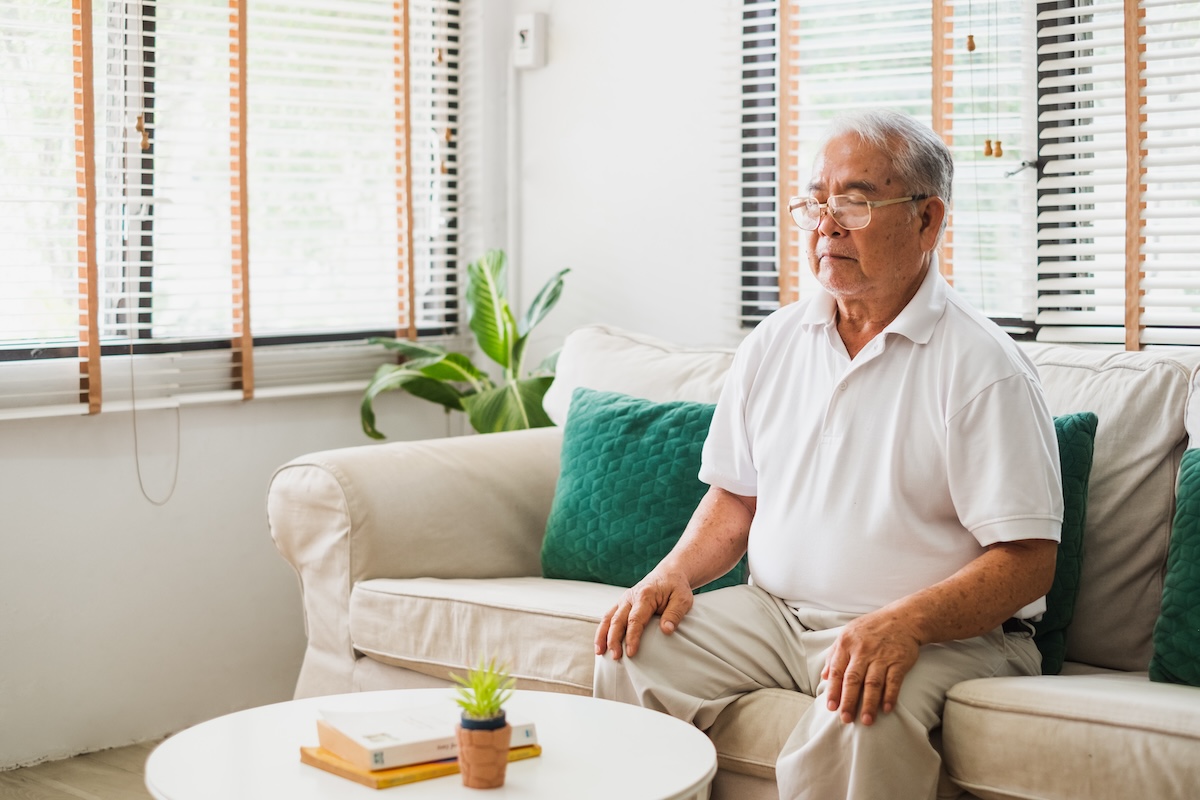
x=44 y=256
x=758 y=188
x=167 y=126
x=890 y=61
x=1117 y=239
x=298 y=236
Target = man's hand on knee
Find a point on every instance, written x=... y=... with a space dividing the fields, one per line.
x=667 y=594
x=866 y=666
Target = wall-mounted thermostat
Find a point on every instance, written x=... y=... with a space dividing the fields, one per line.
x=529 y=41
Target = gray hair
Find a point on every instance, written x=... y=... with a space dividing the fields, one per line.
x=922 y=159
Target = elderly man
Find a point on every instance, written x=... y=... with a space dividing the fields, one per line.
x=884 y=455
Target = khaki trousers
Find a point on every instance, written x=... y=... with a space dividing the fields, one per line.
x=740 y=639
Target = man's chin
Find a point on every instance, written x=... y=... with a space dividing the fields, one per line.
x=840 y=282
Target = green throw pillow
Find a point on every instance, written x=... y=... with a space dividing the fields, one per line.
x=1176 y=657
x=1076 y=440
x=627 y=488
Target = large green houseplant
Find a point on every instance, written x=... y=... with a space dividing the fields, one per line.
x=452 y=379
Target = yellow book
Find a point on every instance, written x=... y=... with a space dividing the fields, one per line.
x=383 y=778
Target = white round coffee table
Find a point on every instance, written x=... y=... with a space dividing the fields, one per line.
x=590 y=749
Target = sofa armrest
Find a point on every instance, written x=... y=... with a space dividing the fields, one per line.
x=402 y=510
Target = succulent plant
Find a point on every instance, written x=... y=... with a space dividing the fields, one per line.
x=485 y=690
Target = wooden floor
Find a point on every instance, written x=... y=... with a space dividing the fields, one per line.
x=107 y=775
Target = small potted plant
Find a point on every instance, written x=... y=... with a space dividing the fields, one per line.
x=484 y=735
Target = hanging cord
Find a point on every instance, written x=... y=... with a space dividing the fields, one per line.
x=131 y=321
x=994 y=38
x=975 y=161
x=137 y=450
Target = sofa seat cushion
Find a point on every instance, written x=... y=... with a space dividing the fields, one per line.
x=542 y=629
x=751 y=731
x=1102 y=735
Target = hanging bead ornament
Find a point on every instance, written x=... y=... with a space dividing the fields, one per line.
x=991 y=68
x=141 y=128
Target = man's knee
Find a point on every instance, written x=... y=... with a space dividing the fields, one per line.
x=825 y=756
x=610 y=681
x=616 y=678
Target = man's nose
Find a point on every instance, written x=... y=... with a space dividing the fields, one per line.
x=829 y=227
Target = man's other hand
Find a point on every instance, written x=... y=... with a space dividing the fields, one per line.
x=667 y=594
x=867 y=664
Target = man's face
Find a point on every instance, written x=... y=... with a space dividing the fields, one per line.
x=886 y=260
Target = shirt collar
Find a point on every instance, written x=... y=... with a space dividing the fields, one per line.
x=916 y=321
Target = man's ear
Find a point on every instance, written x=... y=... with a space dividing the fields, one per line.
x=932 y=212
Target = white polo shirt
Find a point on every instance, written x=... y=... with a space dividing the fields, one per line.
x=880 y=476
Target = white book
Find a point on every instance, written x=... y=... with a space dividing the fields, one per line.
x=398 y=737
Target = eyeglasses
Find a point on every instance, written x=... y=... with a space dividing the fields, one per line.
x=849 y=211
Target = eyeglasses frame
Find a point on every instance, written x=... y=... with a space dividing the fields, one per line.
x=796 y=202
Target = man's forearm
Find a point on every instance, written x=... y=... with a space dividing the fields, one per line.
x=981 y=595
x=712 y=543
x=715 y=538
x=874 y=652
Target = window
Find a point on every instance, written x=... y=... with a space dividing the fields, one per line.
x=246 y=194
x=1119 y=111
x=1060 y=236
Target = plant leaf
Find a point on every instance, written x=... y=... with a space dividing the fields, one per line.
x=513 y=407
x=390 y=377
x=549 y=364
x=407 y=348
x=546 y=299
x=450 y=367
x=436 y=391
x=491 y=320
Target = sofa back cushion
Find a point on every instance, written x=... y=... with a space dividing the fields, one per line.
x=612 y=360
x=1142 y=401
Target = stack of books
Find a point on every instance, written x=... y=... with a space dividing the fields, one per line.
x=392 y=747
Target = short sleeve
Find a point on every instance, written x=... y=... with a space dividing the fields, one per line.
x=727 y=461
x=1003 y=465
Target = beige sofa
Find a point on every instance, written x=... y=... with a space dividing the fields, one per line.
x=415 y=558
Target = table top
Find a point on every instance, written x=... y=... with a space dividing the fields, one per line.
x=590 y=749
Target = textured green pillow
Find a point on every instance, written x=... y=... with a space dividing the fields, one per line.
x=627 y=487
x=1076 y=440
x=1176 y=657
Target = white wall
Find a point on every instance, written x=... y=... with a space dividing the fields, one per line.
x=121 y=620
x=627 y=156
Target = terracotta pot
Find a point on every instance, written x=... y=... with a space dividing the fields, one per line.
x=483 y=754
